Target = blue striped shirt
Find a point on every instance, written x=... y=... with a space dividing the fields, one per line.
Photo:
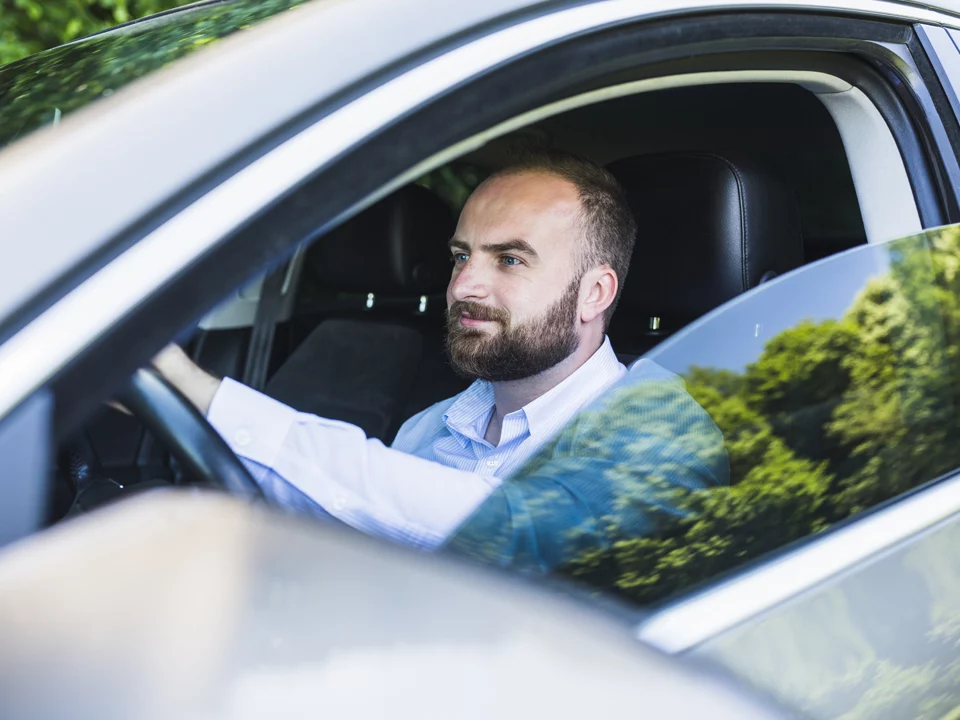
x=452 y=431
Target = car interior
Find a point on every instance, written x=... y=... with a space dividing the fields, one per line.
x=731 y=183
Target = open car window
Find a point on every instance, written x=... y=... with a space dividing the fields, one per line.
x=816 y=396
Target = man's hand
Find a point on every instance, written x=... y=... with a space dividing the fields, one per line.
x=198 y=386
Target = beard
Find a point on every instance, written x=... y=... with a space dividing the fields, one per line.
x=517 y=352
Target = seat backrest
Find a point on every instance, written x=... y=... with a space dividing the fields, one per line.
x=709 y=228
x=376 y=357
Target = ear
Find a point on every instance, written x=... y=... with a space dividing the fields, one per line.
x=598 y=288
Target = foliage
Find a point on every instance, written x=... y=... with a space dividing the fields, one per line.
x=622 y=468
x=29 y=26
x=40 y=89
x=834 y=417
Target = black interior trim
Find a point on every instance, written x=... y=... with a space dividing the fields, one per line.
x=945 y=126
x=544 y=76
x=872 y=73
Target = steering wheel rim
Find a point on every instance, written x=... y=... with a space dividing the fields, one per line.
x=190 y=438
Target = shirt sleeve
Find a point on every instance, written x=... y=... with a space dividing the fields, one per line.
x=310 y=463
x=629 y=466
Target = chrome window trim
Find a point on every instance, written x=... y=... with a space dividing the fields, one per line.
x=28 y=359
x=683 y=625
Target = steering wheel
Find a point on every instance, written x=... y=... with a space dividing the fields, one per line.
x=191 y=439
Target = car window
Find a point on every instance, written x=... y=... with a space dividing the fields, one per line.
x=812 y=398
x=39 y=90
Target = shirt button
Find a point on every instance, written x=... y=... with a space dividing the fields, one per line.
x=339 y=502
x=492 y=463
x=241 y=438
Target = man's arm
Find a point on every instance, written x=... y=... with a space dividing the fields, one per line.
x=197 y=385
x=313 y=464
x=365 y=484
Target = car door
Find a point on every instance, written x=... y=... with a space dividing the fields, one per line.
x=827 y=572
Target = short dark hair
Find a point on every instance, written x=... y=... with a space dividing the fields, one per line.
x=609 y=226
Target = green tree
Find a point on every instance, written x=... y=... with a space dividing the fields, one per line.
x=899 y=415
x=40 y=89
x=798 y=383
x=29 y=26
x=775 y=497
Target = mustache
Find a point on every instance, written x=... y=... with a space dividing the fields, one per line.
x=477 y=312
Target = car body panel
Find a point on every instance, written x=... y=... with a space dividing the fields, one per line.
x=192 y=604
x=26 y=453
x=878 y=641
x=48 y=86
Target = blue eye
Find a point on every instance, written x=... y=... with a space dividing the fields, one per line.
x=510 y=261
x=460 y=258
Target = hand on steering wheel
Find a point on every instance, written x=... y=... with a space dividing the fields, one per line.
x=191 y=439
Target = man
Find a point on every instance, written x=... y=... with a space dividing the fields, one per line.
x=539 y=258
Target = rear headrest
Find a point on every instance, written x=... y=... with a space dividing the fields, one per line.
x=709 y=228
x=397 y=247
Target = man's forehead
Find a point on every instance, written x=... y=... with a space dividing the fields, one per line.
x=522 y=204
x=527 y=186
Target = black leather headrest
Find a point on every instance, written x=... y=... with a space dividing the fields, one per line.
x=397 y=247
x=709 y=228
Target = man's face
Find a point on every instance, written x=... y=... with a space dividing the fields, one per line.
x=513 y=299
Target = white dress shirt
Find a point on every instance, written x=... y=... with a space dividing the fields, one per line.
x=421 y=489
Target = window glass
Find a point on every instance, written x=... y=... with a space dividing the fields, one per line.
x=41 y=89
x=812 y=398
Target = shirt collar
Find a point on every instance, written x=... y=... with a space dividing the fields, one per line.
x=551 y=411
x=469 y=411
x=468 y=415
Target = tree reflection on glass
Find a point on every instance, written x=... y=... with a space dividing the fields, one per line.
x=834 y=416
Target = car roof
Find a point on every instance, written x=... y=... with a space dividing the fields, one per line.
x=68 y=194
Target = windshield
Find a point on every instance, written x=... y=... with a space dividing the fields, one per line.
x=40 y=90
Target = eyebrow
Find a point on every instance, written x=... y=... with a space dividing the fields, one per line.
x=517 y=246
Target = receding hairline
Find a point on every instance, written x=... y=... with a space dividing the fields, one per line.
x=521 y=170
x=580 y=213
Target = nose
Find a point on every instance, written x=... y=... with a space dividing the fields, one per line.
x=468 y=282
